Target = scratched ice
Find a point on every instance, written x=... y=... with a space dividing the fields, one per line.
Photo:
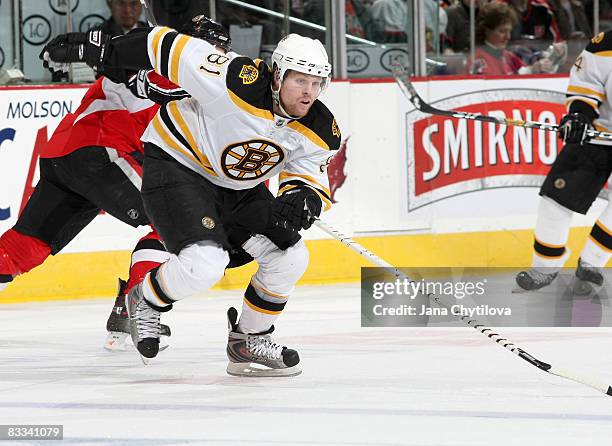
x=360 y=386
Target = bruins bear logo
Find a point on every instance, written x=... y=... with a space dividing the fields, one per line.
x=335 y=129
x=249 y=160
x=248 y=74
x=598 y=38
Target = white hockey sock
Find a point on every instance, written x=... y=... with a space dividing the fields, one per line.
x=151 y=295
x=551 y=234
x=275 y=279
x=598 y=248
x=254 y=319
x=194 y=270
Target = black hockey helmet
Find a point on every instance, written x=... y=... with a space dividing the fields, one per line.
x=206 y=29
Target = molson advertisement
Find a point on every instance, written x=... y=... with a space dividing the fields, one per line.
x=448 y=156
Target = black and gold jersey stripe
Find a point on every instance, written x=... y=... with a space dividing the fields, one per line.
x=184 y=142
x=601 y=44
x=167 y=46
x=248 y=84
x=319 y=126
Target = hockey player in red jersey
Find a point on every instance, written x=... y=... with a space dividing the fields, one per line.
x=93 y=162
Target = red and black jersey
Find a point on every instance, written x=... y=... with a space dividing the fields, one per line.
x=109 y=115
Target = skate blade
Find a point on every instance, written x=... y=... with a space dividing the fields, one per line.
x=163 y=344
x=583 y=288
x=121 y=342
x=519 y=290
x=116 y=342
x=256 y=371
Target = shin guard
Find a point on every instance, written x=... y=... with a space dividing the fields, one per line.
x=148 y=253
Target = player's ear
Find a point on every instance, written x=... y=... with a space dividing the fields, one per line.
x=275 y=76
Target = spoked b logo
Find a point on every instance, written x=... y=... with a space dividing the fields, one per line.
x=249 y=160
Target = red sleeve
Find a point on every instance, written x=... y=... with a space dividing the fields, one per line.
x=161 y=82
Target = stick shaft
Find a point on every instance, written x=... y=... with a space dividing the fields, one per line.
x=148 y=12
x=403 y=80
x=488 y=332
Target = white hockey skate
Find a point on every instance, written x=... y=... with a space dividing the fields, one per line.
x=258 y=355
x=118 y=326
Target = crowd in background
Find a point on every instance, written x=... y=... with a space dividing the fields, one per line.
x=512 y=36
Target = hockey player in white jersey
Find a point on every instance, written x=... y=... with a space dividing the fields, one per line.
x=577 y=175
x=206 y=160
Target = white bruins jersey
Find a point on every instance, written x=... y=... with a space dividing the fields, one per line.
x=227 y=131
x=591 y=82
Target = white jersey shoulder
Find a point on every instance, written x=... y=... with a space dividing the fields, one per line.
x=227 y=131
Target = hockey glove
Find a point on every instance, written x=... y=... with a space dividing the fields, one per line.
x=296 y=209
x=141 y=86
x=86 y=47
x=573 y=128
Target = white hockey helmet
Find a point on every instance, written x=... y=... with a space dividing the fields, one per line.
x=295 y=52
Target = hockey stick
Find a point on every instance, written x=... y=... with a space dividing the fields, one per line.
x=148 y=12
x=402 y=78
x=495 y=337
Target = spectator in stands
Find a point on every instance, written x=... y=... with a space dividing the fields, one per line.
x=436 y=21
x=572 y=19
x=358 y=19
x=390 y=19
x=124 y=17
x=493 y=30
x=458 y=28
x=536 y=20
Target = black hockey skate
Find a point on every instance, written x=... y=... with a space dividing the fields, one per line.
x=145 y=326
x=533 y=279
x=588 y=278
x=118 y=324
x=257 y=354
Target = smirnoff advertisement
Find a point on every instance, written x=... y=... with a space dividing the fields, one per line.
x=449 y=157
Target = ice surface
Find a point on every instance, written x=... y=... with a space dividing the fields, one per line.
x=360 y=386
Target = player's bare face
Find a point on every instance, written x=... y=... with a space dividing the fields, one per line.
x=299 y=91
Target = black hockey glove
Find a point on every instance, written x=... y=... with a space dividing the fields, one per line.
x=573 y=128
x=141 y=87
x=86 y=47
x=296 y=209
